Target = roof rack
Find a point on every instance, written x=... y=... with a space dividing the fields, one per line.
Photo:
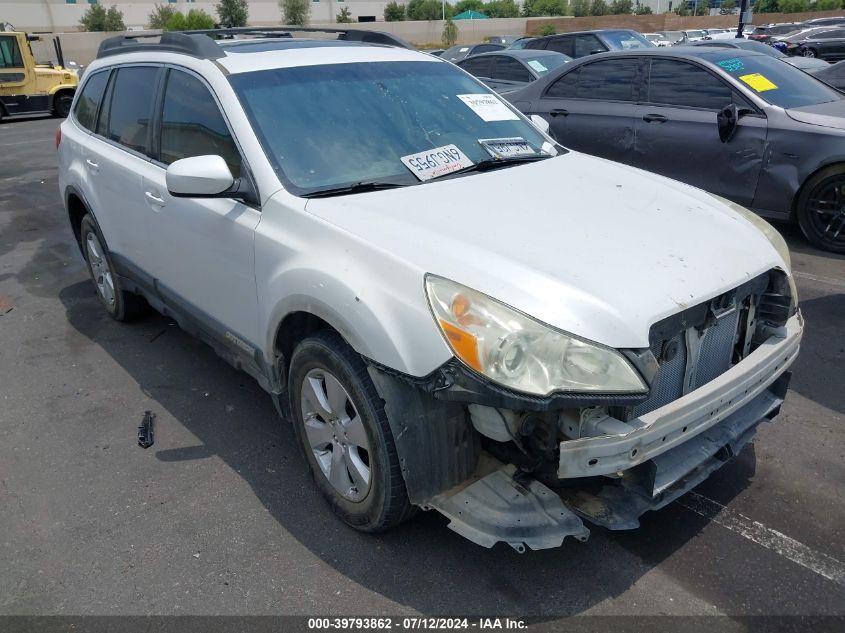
x=201 y=43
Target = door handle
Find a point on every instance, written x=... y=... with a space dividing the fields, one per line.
x=559 y=112
x=154 y=199
x=655 y=118
x=91 y=164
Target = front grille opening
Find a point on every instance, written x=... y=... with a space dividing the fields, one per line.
x=699 y=344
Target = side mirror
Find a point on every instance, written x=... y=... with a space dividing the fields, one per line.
x=727 y=120
x=540 y=123
x=199 y=177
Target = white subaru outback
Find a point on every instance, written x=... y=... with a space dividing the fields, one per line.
x=454 y=311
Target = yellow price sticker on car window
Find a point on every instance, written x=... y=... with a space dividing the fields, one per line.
x=759 y=82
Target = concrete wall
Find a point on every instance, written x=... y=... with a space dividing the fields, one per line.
x=667 y=21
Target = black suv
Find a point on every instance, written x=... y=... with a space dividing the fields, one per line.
x=583 y=43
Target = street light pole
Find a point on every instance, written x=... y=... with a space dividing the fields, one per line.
x=443 y=6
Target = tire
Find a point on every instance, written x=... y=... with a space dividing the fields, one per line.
x=355 y=437
x=61 y=104
x=121 y=304
x=821 y=210
x=809 y=52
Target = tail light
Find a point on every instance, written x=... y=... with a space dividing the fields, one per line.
x=58 y=136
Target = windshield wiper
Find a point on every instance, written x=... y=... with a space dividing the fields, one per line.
x=358 y=187
x=489 y=164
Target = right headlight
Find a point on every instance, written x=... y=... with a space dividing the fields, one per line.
x=516 y=351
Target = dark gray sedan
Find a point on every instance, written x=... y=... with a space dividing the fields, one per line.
x=736 y=123
x=509 y=70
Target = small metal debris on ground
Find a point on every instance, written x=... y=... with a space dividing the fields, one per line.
x=145 y=431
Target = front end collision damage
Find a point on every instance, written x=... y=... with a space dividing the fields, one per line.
x=523 y=470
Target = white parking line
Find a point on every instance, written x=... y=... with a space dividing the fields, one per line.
x=754 y=531
x=824 y=280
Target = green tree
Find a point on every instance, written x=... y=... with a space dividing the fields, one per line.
x=766 y=6
x=295 y=12
x=544 y=8
x=344 y=17
x=427 y=10
x=702 y=7
x=232 y=12
x=547 y=29
x=499 y=9
x=580 y=8
x=469 y=5
x=97 y=18
x=793 y=6
x=450 y=33
x=642 y=10
x=394 y=12
x=682 y=9
x=599 y=7
x=159 y=16
x=621 y=7
x=828 y=5
x=195 y=19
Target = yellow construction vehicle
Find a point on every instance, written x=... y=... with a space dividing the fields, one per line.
x=30 y=87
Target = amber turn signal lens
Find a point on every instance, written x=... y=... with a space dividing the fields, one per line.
x=463 y=343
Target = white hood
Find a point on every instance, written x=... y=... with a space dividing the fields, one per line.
x=591 y=247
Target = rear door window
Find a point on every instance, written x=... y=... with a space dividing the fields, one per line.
x=89 y=100
x=565 y=87
x=565 y=45
x=478 y=66
x=126 y=117
x=610 y=80
x=192 y=124
x=508 y=69
x=677 y=83
x=587 y=45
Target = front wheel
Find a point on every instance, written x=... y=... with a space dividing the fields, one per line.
x=821 y=210
x=342 y=426
x=61 y=104
x=809 y=52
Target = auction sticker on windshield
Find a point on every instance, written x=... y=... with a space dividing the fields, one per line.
x=436 y=162
x=759 y=82
x=507 y=147
x=489 y=107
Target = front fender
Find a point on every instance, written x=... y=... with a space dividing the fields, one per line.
x=372 y=298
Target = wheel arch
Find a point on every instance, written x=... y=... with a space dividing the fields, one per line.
x=837 y=164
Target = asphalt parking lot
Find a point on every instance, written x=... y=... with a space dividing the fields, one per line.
x=220 y=515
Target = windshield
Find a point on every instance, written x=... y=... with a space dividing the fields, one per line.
x=328 y=126
x=623 y=40
x=544 y=63
x=780 y=84
x=673 y=36
x=695 y=33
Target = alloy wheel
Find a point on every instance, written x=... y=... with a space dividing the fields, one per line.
x=827 y=211
x=336 y=434
x=100 y=270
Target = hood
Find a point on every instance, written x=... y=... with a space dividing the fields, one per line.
x=831 y=114
x=586 y=245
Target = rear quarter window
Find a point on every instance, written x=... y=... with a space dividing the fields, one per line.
x=89 y=100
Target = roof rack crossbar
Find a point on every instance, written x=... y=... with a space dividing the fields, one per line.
x=176 y=42
x=201 y=43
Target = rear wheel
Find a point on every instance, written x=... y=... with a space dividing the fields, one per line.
x=121 y=304
x=821 y=210
x=61 y=104
x=342 y=426
x=809 y=52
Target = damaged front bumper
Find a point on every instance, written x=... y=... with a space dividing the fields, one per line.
x=667 y=452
